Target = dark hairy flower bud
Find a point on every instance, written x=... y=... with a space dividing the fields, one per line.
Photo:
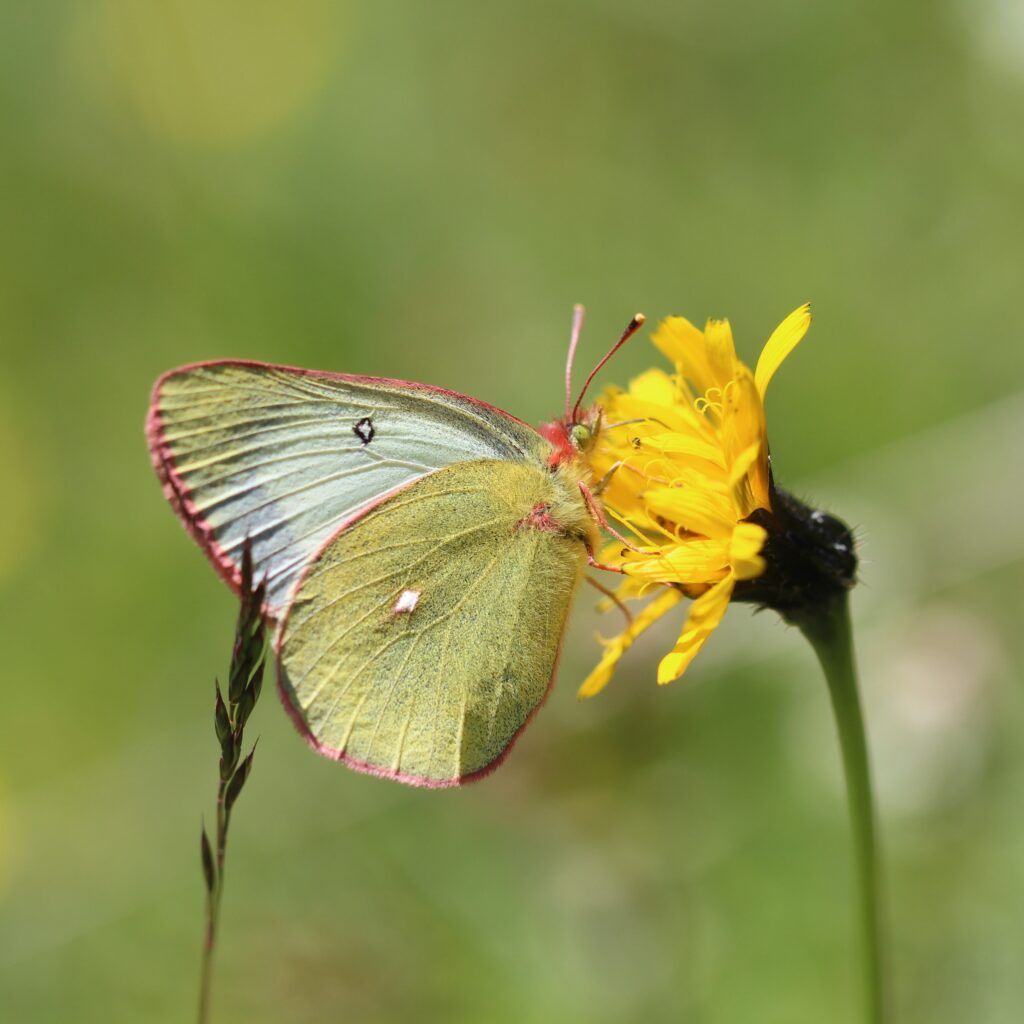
x=810 y=559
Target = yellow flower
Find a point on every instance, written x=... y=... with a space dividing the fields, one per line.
x=684 y=457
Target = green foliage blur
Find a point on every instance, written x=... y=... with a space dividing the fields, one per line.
x=422 y=191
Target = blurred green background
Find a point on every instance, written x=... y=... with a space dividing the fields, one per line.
x=422 y=191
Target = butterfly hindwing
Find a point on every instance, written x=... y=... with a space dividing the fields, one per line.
x=426 y=632
x=285 y=456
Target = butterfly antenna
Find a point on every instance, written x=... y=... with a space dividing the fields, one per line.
x=632 y=327
x=574 y=340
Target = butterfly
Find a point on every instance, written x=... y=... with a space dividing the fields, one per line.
x=420 y=548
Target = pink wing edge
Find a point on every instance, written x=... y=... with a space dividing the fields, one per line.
x=365 y=767
x=177 y=493
x=178 y=496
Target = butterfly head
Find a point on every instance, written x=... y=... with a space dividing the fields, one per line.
x=575 y=434
x=572 y=437
x=582 y=436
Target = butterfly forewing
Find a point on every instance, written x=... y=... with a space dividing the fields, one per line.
x=284 y=457
x=426 y=632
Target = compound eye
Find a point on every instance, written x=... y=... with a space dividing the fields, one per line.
x=581 y=435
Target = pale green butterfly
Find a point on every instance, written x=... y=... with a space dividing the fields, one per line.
x=420 y=549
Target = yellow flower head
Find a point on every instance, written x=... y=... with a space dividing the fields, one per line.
x=684 y=461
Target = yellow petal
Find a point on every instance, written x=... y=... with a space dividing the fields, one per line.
x=697 y=509
x=653 y=386
x=684 y=344
x=745 y=440
x=661 y=410
x=749 y=481
x=678 y=443
x=688 y=561
x=744 y=551
x=783 y=340
x=721 y=352
x=602 y=673
x=742 y=463
x=631 y=589
x=705 y=614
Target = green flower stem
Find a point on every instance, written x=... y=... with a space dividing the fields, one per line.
x=828 y=631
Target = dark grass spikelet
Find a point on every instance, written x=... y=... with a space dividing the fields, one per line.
x=206 y=853
x=245 y=682
x=238 y=781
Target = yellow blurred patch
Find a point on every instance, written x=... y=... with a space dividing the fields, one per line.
x=213 y=72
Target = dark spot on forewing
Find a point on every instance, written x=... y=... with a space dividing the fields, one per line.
x=364 y=430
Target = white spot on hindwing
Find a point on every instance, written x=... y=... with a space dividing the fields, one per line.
x=406 y=603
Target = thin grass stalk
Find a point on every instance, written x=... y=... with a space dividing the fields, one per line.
x=245 y=681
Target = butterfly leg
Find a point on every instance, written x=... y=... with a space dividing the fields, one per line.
x=594 y=564
x=601 y=484
x=598 y=513
x=613 y=597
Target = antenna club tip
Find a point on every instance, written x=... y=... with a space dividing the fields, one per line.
x=639 y=319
